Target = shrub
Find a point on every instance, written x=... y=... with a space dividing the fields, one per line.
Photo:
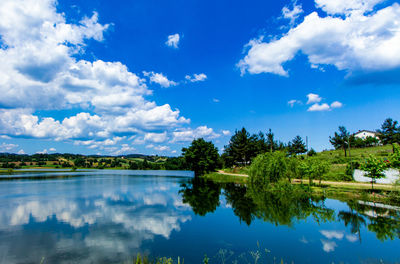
x=311 y=153
x=374 y=168
x=395 y=157
x=268 y=168
x=351 y=166
x=313 y=169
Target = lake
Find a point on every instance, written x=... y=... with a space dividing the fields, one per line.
x=110 y=216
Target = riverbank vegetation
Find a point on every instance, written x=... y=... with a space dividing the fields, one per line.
x=282 y=203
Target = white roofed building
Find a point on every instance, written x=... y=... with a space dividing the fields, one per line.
x=366 y=133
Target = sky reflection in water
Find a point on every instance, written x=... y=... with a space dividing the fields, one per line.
x=109 y=218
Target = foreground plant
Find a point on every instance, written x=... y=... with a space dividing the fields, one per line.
x=374 y=169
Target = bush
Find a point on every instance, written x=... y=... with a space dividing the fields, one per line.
x=311 y=153
x=395 y=157
x=268 y=168
x=351 y=166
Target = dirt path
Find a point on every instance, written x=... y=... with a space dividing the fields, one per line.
x=232 y=174
x=332 y=183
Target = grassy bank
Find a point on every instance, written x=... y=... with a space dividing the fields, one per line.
x=338 y=170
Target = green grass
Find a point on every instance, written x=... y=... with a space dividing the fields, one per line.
x=337 y=161
x=337 y=156
x=222 y=178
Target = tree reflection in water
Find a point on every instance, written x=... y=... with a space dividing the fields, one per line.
x=201 y=195
x=384 y=222
x=287 y=206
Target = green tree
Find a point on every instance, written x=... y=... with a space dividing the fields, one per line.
x=268 y=168
x=271 y=144
x=297 y=146
x=260 y=143
x=389 y=132
x=395 y=157
x=201 y=195
x=242 y=205
x=374 y=168
x=241 y=147
x=79 y=162
x=313 y=169
x=340 y=140
x=201 y=156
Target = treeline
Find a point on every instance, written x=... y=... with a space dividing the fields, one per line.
x=389 y=133
x=202 y=156
x=244 y=147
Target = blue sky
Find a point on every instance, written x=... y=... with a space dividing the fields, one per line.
x=118 y=77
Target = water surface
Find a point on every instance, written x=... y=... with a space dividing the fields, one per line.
x=110 y=216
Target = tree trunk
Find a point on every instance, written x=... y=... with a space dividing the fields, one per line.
x=345 y=152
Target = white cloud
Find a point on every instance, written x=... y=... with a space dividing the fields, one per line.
x=293 y=102
x=319 y=107
x=328 y=246
x=161 y=148
x=190 y=134
x=156 y=137
x=196 y=77
x=4 y=147
x=215 y=100
x=52 y=149
x=42 y=152
x=353 y=41
x=336 y=104
x=329 y=234
x=40 y=71
x=125 y=149
x=21 y=152
x=346 y=7
x=292 y=14
x=313 y=98
x=160 y=79
x=173 y=41
x=173 y=151
x=351 y=238
x=226 y=132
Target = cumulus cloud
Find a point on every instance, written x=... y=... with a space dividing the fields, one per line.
x=21 y=152
x=351 y=35
x=226 y=132
x=190 y=134
x=42 y=151
x=160 y=79
x=319 y=107
x=125 y=149
x=161 y=148
x=328 y=246
x=156 y=137
x=313 y=98
x=52 y=149
x=316 y=105
x=5 y=147
x=196 y=77
x=336 y=104
x=292 y=13
x=329 y=234
x=173 y=41
x=40 y=71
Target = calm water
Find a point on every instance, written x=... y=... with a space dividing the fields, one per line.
x=109 y=216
